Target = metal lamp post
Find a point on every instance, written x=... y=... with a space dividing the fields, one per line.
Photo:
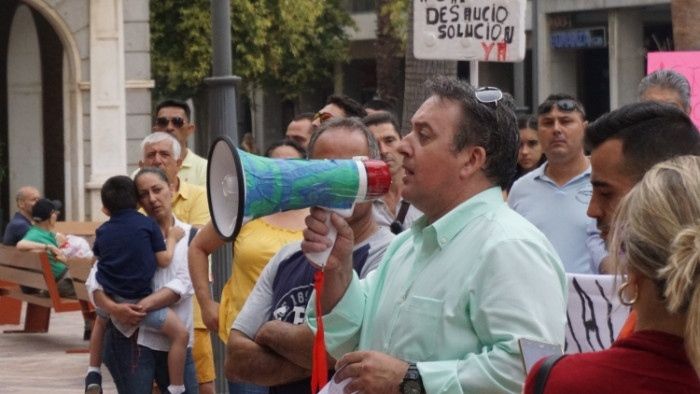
x=222 y=122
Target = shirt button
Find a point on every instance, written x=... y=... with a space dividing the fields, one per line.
x=443 y=240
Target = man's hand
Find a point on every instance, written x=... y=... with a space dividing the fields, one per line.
x=371 y=372
x=129 y=314
x=210 y=315
x=316 y=238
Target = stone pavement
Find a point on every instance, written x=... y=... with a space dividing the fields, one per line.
x=38 y=363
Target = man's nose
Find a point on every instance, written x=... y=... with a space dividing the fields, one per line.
x=593 y=210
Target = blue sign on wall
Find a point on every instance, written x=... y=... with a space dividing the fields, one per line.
x=592 y=37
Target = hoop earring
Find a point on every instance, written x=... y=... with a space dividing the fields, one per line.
x=620 y=294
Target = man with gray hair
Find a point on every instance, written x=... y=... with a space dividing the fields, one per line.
x=162 y=150
x=666 y=86
x=268 y=344
x=444 y=310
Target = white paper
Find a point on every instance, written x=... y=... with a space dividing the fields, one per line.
x=594 y=312
x=334 y=388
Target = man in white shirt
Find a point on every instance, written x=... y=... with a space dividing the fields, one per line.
x=391 y=210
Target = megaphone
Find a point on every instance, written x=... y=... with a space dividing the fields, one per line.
x=242 y=186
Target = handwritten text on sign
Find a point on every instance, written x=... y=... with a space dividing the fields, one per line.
x=686 y=63
x=488 y=31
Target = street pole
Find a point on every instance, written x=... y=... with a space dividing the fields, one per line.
x=222 y=122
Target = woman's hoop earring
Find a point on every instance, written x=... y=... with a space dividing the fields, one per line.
x=620 y=294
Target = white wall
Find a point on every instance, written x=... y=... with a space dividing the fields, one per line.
x=26 y=158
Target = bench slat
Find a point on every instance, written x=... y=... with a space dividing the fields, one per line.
x=77 y=228
x=11 y=256
x=31 y=298
x=23 y=277
x=79 y=268
x=81 y=291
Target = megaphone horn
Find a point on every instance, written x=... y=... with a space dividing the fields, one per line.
x=242 y=186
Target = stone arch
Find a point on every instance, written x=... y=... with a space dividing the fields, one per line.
x=74 y=191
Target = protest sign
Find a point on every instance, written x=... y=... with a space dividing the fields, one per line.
x=487 y=31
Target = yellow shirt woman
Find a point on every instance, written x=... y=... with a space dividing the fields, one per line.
x=255 y=245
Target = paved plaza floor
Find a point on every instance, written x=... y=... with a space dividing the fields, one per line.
x=38 y=363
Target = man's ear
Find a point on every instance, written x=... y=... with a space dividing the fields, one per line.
x=190 y=129
x=105 y=211
x=178 y=162
x=141 y=164
x=474 y=159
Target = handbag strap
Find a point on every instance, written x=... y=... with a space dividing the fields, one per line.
x=543 y=372
x=397 y=226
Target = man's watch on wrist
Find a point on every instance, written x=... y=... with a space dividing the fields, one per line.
x=412 y=382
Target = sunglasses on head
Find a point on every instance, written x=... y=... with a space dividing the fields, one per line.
x=177 y=121
x=489 y=95
x=323 y=117
x=564 y=105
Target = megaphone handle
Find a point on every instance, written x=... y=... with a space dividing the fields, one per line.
x=320 y=258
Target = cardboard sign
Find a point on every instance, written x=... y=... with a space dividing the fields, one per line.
x=483 y=30
x=685 y=63
x=594 y=313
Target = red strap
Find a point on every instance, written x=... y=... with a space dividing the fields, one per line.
x=319 y=363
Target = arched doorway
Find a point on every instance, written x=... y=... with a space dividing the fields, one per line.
x=40 y=110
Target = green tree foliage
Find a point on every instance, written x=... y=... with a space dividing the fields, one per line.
x=180 y=45
x=287 y=44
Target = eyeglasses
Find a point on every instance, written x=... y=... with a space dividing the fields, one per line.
x=565 y=105
x=323 y=117
x=489 y=95
x=176 y=121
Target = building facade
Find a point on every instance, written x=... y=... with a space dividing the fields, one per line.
x=596 y=50
x=75 y=97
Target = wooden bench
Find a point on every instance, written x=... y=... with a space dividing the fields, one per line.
x=32 y=269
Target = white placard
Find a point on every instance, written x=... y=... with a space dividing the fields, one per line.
x=487 y=31
x=594 y=313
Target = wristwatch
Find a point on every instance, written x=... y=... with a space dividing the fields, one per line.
x=412 y=382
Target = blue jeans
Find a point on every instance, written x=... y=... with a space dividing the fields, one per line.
x=134 y=367
x=245 y=388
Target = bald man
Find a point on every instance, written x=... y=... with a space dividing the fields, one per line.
x=27 y=196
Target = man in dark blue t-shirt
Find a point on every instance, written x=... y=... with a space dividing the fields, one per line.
x=268 y=332
x=27 y=196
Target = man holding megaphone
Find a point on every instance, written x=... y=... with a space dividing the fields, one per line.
x=455 y=292
x=268 y=344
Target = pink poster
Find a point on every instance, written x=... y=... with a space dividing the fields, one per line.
x=686 y=63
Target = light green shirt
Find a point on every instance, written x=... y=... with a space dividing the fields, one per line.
x=193 y=169
x=455 y=297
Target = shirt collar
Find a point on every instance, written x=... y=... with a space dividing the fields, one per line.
x=449 y=225
x=187 y=161
x=539 y=174
x=185 y=191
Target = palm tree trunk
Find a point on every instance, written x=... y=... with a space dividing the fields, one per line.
x=388 y=50
x=417 y=72
x=685 y=15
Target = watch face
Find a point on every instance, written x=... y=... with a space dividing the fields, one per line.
x=411 y=387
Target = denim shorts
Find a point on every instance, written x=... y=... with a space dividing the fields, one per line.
x=153 y=319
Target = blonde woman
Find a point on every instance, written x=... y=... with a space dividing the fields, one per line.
x=656 y=243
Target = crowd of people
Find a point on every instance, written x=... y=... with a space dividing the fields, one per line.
x=427 y=289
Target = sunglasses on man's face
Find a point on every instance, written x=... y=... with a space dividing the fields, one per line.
x=323 y=117
x=564 y=105
x=177 y=121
